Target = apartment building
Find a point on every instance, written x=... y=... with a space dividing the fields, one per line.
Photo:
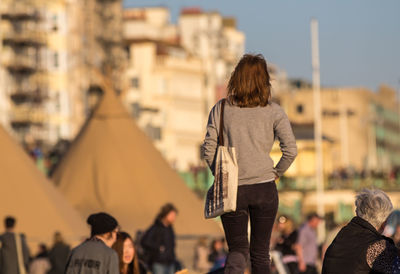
x=362 y=124
x=54 y=55
x=166 y=91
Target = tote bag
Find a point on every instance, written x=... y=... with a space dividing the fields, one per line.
x=222 y=195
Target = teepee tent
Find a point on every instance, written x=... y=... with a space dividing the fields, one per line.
x=33 y=200
x=112 y=166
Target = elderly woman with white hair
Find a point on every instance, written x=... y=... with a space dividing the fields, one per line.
x=360 y=247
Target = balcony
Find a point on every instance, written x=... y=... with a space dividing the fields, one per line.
x=28 y=89
x=19 y=12
x=33 y=95
x=26 y=115
x=24 y=38
x=21 y=63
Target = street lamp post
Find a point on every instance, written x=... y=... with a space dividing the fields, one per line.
x=317 y=125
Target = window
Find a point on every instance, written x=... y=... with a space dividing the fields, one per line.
x=299 y=108
x=128 y=52
x=135 y=110
x=135 y=82
x=54 y=23
x=331 y=113
x=55 y=60
x=57 y=101
x=153 y=132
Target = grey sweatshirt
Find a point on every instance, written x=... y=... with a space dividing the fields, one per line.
x=252 y=132
x=93 y=257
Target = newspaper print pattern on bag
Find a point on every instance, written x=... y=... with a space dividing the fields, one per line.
x=219 y=191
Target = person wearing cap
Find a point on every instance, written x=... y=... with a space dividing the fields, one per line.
x=307 y=245
x=95 y=255
x=360 y=247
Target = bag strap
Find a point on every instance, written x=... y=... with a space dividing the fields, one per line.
x=20 y=257
x=221 y=124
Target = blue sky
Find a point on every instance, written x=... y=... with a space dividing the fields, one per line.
x=359 y=39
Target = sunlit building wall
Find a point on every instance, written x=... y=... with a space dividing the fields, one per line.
x=172 y=86
x=23 y=56
x=56 y=54
x=95 y=54
x=217 y=41
x=361 y=124
x=166 y=96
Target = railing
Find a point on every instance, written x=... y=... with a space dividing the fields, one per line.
x=18 y=12
x=200 y=180
x=27 y=114
x=22 y=61
x=356 y=183
x=35 y=96
x=27 y=36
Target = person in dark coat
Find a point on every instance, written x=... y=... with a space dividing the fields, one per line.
x=95 y=255
x=159 y=242
x=58 y=255
x=360 y=247
x=12 y=261
x=286 y=244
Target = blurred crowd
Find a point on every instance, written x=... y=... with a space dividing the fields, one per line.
x=294 y=248
x=106 y=250
x=350 y=175
x=15 y=256
x=47 y=159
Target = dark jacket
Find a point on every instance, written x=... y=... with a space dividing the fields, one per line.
x=93 y=257
x=58 y=256
x=8 y=253
x=286 y=246
x=159 y=244
x=359 y=248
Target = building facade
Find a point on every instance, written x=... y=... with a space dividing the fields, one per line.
x=217 y=41
x=362 y=124
x=53 y=55
x=166 y=91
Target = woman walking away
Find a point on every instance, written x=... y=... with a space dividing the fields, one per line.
x=251 y=123
x=128 y=259
x=95 y=255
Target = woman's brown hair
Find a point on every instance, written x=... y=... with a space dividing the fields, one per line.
x=249 y=85
x=165 y=210
x=133 y=267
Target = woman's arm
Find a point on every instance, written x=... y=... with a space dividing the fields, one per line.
x=209 y=147
x=283 y=131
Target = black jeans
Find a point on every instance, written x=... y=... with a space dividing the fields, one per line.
x=311 y=269
x=260 y=203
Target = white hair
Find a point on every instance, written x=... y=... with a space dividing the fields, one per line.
x=374 y=206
